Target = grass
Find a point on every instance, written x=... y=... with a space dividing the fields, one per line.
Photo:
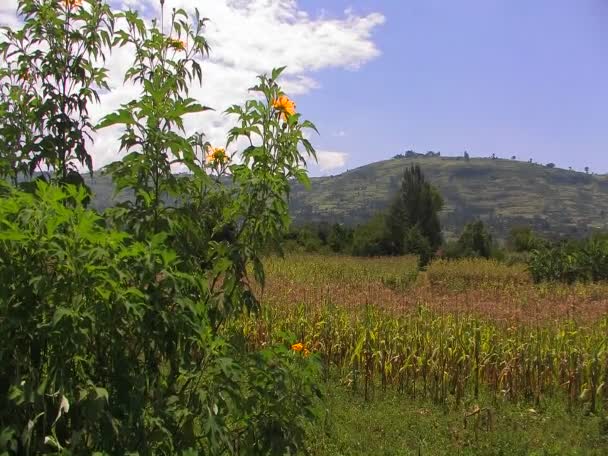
x=392 y=425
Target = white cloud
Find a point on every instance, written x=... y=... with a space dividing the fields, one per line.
x=330 y=160
x=339 y=134
x=7 y=13
x=246 y=38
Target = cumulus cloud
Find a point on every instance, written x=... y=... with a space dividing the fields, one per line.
x=331 y=160
x=246 y=38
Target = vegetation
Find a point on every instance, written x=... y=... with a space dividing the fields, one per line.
x=412 y=223
x=571 y=261
x=553 y=202
x=171 y=322
x=475 y=241
x=118 y=335
x=469 y=356
x=394 y=424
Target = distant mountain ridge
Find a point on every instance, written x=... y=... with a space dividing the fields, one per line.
x=502 y=193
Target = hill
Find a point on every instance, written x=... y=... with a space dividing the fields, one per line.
x=503 y=193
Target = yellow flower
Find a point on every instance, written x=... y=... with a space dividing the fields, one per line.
x=72 y=3
x=298 y=347
x=284 y=105
x=178 y=45
x=217 y=155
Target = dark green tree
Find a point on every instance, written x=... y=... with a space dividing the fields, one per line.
x=523 y=239
x=475 y=240
x=417 y=204
x=340 y=238
x=370 y=239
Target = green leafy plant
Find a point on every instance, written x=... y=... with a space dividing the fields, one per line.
x=121 y=327
x=54 y=69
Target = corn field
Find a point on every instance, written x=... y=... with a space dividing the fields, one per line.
x=375 y=324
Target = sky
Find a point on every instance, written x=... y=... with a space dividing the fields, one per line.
x=378 y=77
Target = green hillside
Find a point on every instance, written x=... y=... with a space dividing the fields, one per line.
x=501 y=192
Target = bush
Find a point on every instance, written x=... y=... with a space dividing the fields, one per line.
x=109 y=346
x=475 y=241
x=119 y=329
x=369 y=239
x=571 y=262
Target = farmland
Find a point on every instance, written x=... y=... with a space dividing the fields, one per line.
x=492 y=363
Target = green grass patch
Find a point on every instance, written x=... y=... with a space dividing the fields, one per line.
x=392 y=425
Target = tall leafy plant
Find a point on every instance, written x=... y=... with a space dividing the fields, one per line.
x=118 y=326
x=53 y=71
x=164 y=66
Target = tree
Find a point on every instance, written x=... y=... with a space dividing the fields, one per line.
x=475 y=240
x=370 y=239
x=417 y=204
x=340 y=237
x=587 y=169
x=523 y=239
x=513 y=157
x=550 y=165
x=466 y=156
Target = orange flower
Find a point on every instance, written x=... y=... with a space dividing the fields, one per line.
x=216 y=155
x=285 y=106
x=178 y=45
x=72 y=3
x=298 y=347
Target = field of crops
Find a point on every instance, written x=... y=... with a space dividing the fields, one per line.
x=467 y=335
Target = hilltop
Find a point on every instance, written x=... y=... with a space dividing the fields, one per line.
x=503 y=193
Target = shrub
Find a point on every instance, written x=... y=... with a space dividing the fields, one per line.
x=571 y=261
x=119 y=327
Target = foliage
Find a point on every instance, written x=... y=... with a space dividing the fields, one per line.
x=523 y=239
x=53 y=72
x=414 y=215
x=416 y=243
x=571 y=261
x=475 y=241
x=153 y=122
x=121 y=334
x=77 y=288
x=370 y=239
x=320 y=237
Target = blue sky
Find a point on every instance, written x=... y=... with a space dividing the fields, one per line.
x=510 y=77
